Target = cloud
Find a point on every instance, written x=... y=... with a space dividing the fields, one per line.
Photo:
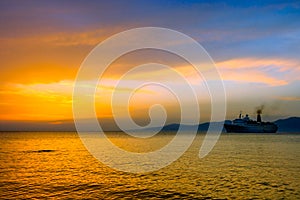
x=288 y=98
x=239 y=63
x=270 y=71
x=43 y=43
x=66 y=38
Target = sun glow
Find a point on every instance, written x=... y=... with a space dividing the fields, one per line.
x=53 y=100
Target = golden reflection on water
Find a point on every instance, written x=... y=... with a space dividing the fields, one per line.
x=140 y=145
x=38 y=165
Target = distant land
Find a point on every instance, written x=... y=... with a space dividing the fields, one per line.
x=291 y=124
x=288 y=125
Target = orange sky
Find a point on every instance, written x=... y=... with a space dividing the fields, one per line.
x=44 y=91
x=40 y=60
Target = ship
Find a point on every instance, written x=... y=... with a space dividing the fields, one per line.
x=246 y=125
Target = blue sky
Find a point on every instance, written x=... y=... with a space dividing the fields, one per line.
x=254 y=44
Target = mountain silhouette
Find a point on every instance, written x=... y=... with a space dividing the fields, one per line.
x=291 y=124
x=288 y=125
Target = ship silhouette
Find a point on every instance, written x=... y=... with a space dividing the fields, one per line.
x=246 y=125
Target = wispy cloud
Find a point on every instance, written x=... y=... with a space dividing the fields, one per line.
x=270 y=71
x=289 y=98
x=90 y=38
x=280 y=64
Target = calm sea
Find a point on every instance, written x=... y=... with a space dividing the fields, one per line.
x=57 y=165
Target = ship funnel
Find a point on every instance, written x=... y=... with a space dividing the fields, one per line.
x=258 y=117
x=259 y=111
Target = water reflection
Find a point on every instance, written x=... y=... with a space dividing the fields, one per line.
x=37 y=165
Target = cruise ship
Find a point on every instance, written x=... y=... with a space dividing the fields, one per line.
x=246 y=125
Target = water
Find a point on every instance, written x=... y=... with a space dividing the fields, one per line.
x=57 y=165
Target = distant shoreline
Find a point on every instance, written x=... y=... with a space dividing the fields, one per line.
x=288 y=125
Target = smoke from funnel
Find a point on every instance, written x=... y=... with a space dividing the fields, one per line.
x=259 y=109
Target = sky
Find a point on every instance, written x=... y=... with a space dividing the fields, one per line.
x=255 y=46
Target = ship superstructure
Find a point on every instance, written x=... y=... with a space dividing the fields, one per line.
x=246 y=125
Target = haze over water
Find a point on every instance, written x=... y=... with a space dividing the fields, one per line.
x=52 y=164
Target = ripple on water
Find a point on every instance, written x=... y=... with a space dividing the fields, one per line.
x=57 y=165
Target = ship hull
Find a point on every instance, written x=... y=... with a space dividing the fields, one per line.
x=255 y=128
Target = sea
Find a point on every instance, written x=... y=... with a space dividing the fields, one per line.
x=56 y=165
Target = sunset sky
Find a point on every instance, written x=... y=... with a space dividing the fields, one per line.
x=255 y=45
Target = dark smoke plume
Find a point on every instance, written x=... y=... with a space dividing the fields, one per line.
x=259 y=109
